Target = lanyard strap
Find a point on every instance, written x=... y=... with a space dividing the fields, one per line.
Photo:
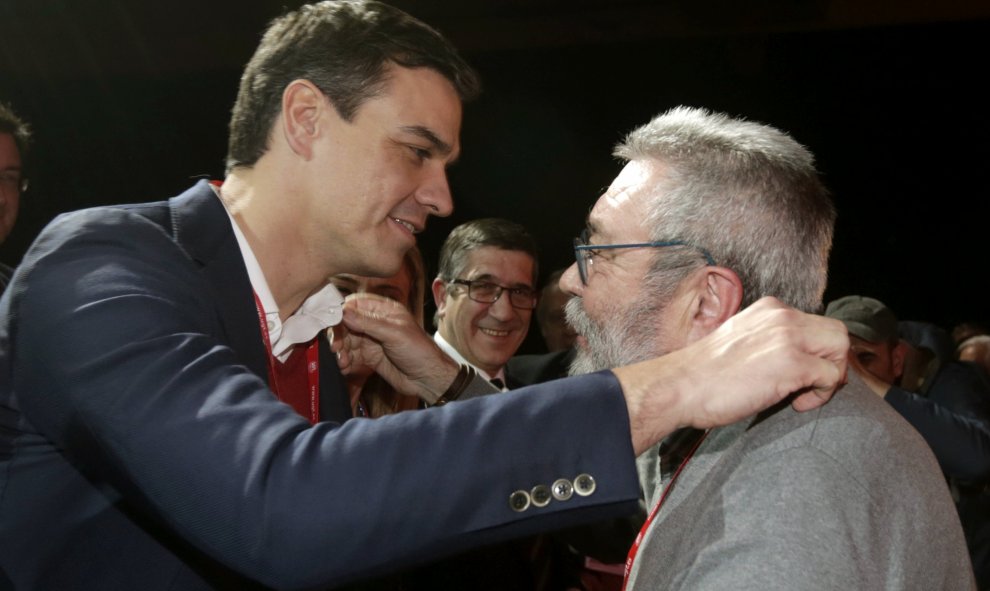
x=656 y=509
x=312 y=369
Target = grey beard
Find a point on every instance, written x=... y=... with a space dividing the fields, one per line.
x=629 y=337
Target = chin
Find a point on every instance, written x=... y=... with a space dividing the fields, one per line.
x=584 y=363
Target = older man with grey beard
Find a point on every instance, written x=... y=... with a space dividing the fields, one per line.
x=709 y=214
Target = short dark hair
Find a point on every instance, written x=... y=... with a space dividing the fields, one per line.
x=496 y=232
x=16 y=127
x=344 y=47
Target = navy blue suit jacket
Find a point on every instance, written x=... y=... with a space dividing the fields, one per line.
x=141 y=448
x=954 y=418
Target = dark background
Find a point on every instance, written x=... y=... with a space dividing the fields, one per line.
x=130 y=100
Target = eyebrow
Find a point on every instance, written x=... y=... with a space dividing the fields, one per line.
x=592 y=227
x=489 y=278
x=442 y=147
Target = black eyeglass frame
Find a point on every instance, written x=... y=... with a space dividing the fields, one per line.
x=584 y=251
x=514 y=293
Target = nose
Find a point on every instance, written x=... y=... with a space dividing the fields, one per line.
x=435 y=193
x=501 y=309
x=570 y=281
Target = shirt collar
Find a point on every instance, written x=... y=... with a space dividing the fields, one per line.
x=319 y=311
x=456 y=356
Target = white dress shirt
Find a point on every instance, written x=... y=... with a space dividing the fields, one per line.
x=456 y=356
x=320 y=311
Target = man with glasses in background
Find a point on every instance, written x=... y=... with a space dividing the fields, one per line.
x=14 y=136
x=485 y=292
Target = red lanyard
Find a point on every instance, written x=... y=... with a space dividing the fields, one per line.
x=656 y=509
x=312 y=368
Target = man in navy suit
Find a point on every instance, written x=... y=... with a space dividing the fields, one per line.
x=163 y=398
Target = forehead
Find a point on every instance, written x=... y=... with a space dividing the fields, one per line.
x=10 y=157
x=619 y=213
x=421 y=101
x=512 y=267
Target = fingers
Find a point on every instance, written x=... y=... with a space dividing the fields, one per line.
x=377 y=316
x=824 y=340
x=825 y=379
x=753 y=361
x=336 y=336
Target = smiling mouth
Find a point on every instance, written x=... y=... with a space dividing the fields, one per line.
x=494 y=333
x=407 y=225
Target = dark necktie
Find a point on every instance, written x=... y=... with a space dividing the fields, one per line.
x=498 y=383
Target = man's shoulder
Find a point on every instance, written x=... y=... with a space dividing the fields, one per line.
x=853 y=418
x=108 y=216
x=859 y=431
x=187 y=219
x=98 y=231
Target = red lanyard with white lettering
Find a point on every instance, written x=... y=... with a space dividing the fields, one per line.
x=312 y=367
x=656 y=509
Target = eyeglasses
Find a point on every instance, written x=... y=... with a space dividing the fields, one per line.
x=487 y=292
x=11 y=180
x=584 y=253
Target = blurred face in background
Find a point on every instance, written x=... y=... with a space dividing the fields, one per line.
x=10 y=183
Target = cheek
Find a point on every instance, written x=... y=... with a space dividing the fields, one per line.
x=597 y=309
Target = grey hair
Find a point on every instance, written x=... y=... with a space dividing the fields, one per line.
x=747 y=193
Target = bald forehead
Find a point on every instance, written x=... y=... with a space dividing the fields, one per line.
x=622 y=209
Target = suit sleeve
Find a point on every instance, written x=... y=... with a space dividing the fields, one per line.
x=119 y=359
x=957 y=432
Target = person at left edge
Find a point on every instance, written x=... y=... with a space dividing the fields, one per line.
x=141 y=446
x=15 y=135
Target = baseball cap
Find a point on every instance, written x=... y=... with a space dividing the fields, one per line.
x=864 y=317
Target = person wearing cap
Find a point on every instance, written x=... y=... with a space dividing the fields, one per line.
x=873 y=337
x=948 y=402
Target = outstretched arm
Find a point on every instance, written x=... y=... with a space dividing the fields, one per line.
x=753 y=361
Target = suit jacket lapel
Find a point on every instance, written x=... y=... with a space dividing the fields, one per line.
x=200 y=225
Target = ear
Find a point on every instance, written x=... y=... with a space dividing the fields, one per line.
x=719 y=297
x=440 y=296
x=302 y=106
